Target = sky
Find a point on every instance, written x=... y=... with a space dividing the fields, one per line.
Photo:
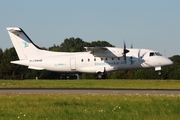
x=150 y=24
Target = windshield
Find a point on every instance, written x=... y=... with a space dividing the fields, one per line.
x=158 y=54
x=155 y=54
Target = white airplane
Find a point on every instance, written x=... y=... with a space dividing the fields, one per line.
x=100 y=60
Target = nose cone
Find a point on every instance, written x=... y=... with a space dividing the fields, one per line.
x=170 y=62
x=166 y=61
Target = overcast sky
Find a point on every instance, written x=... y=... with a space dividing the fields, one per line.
x=151 y=24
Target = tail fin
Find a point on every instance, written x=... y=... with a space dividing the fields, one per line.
x=24 y=47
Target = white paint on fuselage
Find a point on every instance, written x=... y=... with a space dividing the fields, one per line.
x=86 y=62
x=96 y=59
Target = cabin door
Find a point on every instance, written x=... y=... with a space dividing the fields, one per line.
x=73 y=63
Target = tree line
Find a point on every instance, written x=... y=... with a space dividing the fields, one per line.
x=12 y=71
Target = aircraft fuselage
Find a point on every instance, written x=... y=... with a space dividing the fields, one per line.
x=88 y=63
x=95 y=60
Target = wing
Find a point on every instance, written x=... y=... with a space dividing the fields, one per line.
x=104 y=51
x=96 y=49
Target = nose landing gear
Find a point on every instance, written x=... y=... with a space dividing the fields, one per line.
x=159 y=73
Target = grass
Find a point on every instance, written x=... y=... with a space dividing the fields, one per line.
x=137 y=84
x=89 y=107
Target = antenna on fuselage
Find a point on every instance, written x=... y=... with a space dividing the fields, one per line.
x=131 y=45
x=164 y=52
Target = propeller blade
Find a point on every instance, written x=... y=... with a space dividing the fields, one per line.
x=141 y=57
x=124 y=52
x=125 y=58
x=124 y=45
x=139 y=53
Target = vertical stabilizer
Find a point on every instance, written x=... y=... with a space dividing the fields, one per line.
x=24 y=47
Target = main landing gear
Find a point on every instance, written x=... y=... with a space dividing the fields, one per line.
x=101 y=75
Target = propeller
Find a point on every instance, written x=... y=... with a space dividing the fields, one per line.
x=141 y=57
x=125 y=51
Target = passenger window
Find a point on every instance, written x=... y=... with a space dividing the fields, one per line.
x=106 y=59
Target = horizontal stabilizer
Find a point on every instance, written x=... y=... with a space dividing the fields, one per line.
x=35 y=68
x=20 y=62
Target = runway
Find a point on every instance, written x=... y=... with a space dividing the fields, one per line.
x=88 y=91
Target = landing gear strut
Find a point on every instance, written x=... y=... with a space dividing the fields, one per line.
x=101 y=75
x=160 y=73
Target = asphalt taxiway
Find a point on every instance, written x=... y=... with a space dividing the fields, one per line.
x=88 y=91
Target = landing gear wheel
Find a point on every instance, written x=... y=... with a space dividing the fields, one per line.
x=100 y=75
x=159 y=73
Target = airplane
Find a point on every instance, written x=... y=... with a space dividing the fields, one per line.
x=99 y=60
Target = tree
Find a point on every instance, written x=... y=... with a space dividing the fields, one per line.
x=173 y=71
x=8 y=69
x=1 y=65
x=11 y=71
x=72 y=45
x=56 y=48
x=101 y=43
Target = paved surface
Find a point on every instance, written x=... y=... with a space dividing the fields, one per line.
x=88 y=91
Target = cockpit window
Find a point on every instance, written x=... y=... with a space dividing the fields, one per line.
x=151 y=54
x=158 y=54
x=155 y=54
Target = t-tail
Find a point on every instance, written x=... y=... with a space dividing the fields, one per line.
x=23 y=45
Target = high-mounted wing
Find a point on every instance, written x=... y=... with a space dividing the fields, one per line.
x=105 y=51
x=95 y=49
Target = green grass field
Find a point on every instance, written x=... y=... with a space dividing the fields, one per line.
x=89 y=106
x=139 y=84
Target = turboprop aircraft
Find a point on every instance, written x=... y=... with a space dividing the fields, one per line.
x=99 y=60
